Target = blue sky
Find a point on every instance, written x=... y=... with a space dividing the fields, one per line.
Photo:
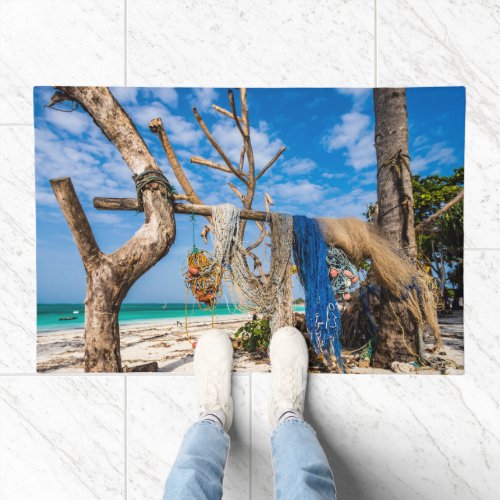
x=328 y=168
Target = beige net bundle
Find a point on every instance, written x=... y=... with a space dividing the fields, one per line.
x=270 y=295
x=361 y=241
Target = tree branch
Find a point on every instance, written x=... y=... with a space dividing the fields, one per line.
x=237 y=192
x=130 y=204
x=216 y=146
x=224 y=112
x=198 y=160
x=270 y=163
x=77 y=220
x=440 y=212
x=235 y=116
x=156 y=126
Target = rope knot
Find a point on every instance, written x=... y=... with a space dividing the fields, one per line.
x=147 y=177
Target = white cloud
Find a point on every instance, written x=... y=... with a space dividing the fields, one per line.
x=352 y=204
x=182 y=132
x=142 y=114
x=76 y=122
x=46 y=198
x=359 y=96
x=438 y=153
x=298 y=166
x=164 y=95
x=125 y=95
x=263 y=144
x=355 y=134
x=204 y=98
x=296 y=192
x=330 y=175
x=420 y=140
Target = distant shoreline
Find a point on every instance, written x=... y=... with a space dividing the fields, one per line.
x=132 y=314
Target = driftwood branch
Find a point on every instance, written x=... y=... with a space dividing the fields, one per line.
x=236 y=191
x=230 y=96
x=198 y=160
x=441 y=211
x=216 y=145
x=224 y=112
x=156 y=126
x=130 y=204
x=270 y=163
x=77 y=220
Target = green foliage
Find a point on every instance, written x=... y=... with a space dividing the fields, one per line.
x=254 y=335
x=432 y=192
x=445 y=243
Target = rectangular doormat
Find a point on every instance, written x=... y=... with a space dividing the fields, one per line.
x=163 y=213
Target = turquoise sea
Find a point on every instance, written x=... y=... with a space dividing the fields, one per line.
x=49 y=315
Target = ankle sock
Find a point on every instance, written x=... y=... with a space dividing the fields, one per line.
x=216 y=416
x=287 y=414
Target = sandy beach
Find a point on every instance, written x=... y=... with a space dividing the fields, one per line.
x=166 y=343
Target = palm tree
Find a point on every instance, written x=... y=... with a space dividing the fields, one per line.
x=398 y=337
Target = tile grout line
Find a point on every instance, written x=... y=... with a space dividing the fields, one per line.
x=375 y=45
x=17 y=124
x=250 y=462
x=125 y=42
x=125 y=437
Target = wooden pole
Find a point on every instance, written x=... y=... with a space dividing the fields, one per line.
x=179 y=208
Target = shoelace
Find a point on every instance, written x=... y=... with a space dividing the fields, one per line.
x=290 y=381
x=213 y=383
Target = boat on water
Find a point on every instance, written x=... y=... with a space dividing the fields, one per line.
x=68 y=318
x=76 y=312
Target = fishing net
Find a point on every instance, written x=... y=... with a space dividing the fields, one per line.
x=268 y=295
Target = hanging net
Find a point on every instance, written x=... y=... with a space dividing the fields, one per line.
x=269 y=295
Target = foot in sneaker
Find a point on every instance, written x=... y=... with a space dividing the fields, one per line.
x=213 y=363
x=289 y=364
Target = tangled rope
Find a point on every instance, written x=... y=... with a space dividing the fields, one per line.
x=322 y=313
x=147 y=177
x=270 y=296
x=343 y=274
x=203 y=278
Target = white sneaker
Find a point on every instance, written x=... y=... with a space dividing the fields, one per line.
x=213 y=362
x=289 y=364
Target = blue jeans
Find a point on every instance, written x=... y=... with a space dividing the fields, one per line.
x=300 y=464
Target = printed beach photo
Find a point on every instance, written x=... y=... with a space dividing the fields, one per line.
x=166 y=212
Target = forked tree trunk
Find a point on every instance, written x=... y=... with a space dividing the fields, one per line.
x=110 y=276
x=398 y=337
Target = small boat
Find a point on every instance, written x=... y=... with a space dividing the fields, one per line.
x=76 y=312
x=68 y=318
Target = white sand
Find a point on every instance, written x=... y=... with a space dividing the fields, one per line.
x=162 y=341
x=165 y=342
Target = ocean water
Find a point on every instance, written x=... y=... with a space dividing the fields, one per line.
x=48 y=315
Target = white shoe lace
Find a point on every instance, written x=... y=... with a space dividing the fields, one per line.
x=211 y=395
x=289 y=390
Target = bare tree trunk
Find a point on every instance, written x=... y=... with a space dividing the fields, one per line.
x=110 y=276
x=398 y=337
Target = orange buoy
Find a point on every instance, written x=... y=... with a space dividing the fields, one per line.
x=207 y=299
x=355 y=279
x=347 y=296
x=193 y=344
x=348 y=273
x=193 y=271
x=333 y=273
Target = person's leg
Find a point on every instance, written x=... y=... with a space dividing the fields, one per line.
x=199 y=468
x=300 y=465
